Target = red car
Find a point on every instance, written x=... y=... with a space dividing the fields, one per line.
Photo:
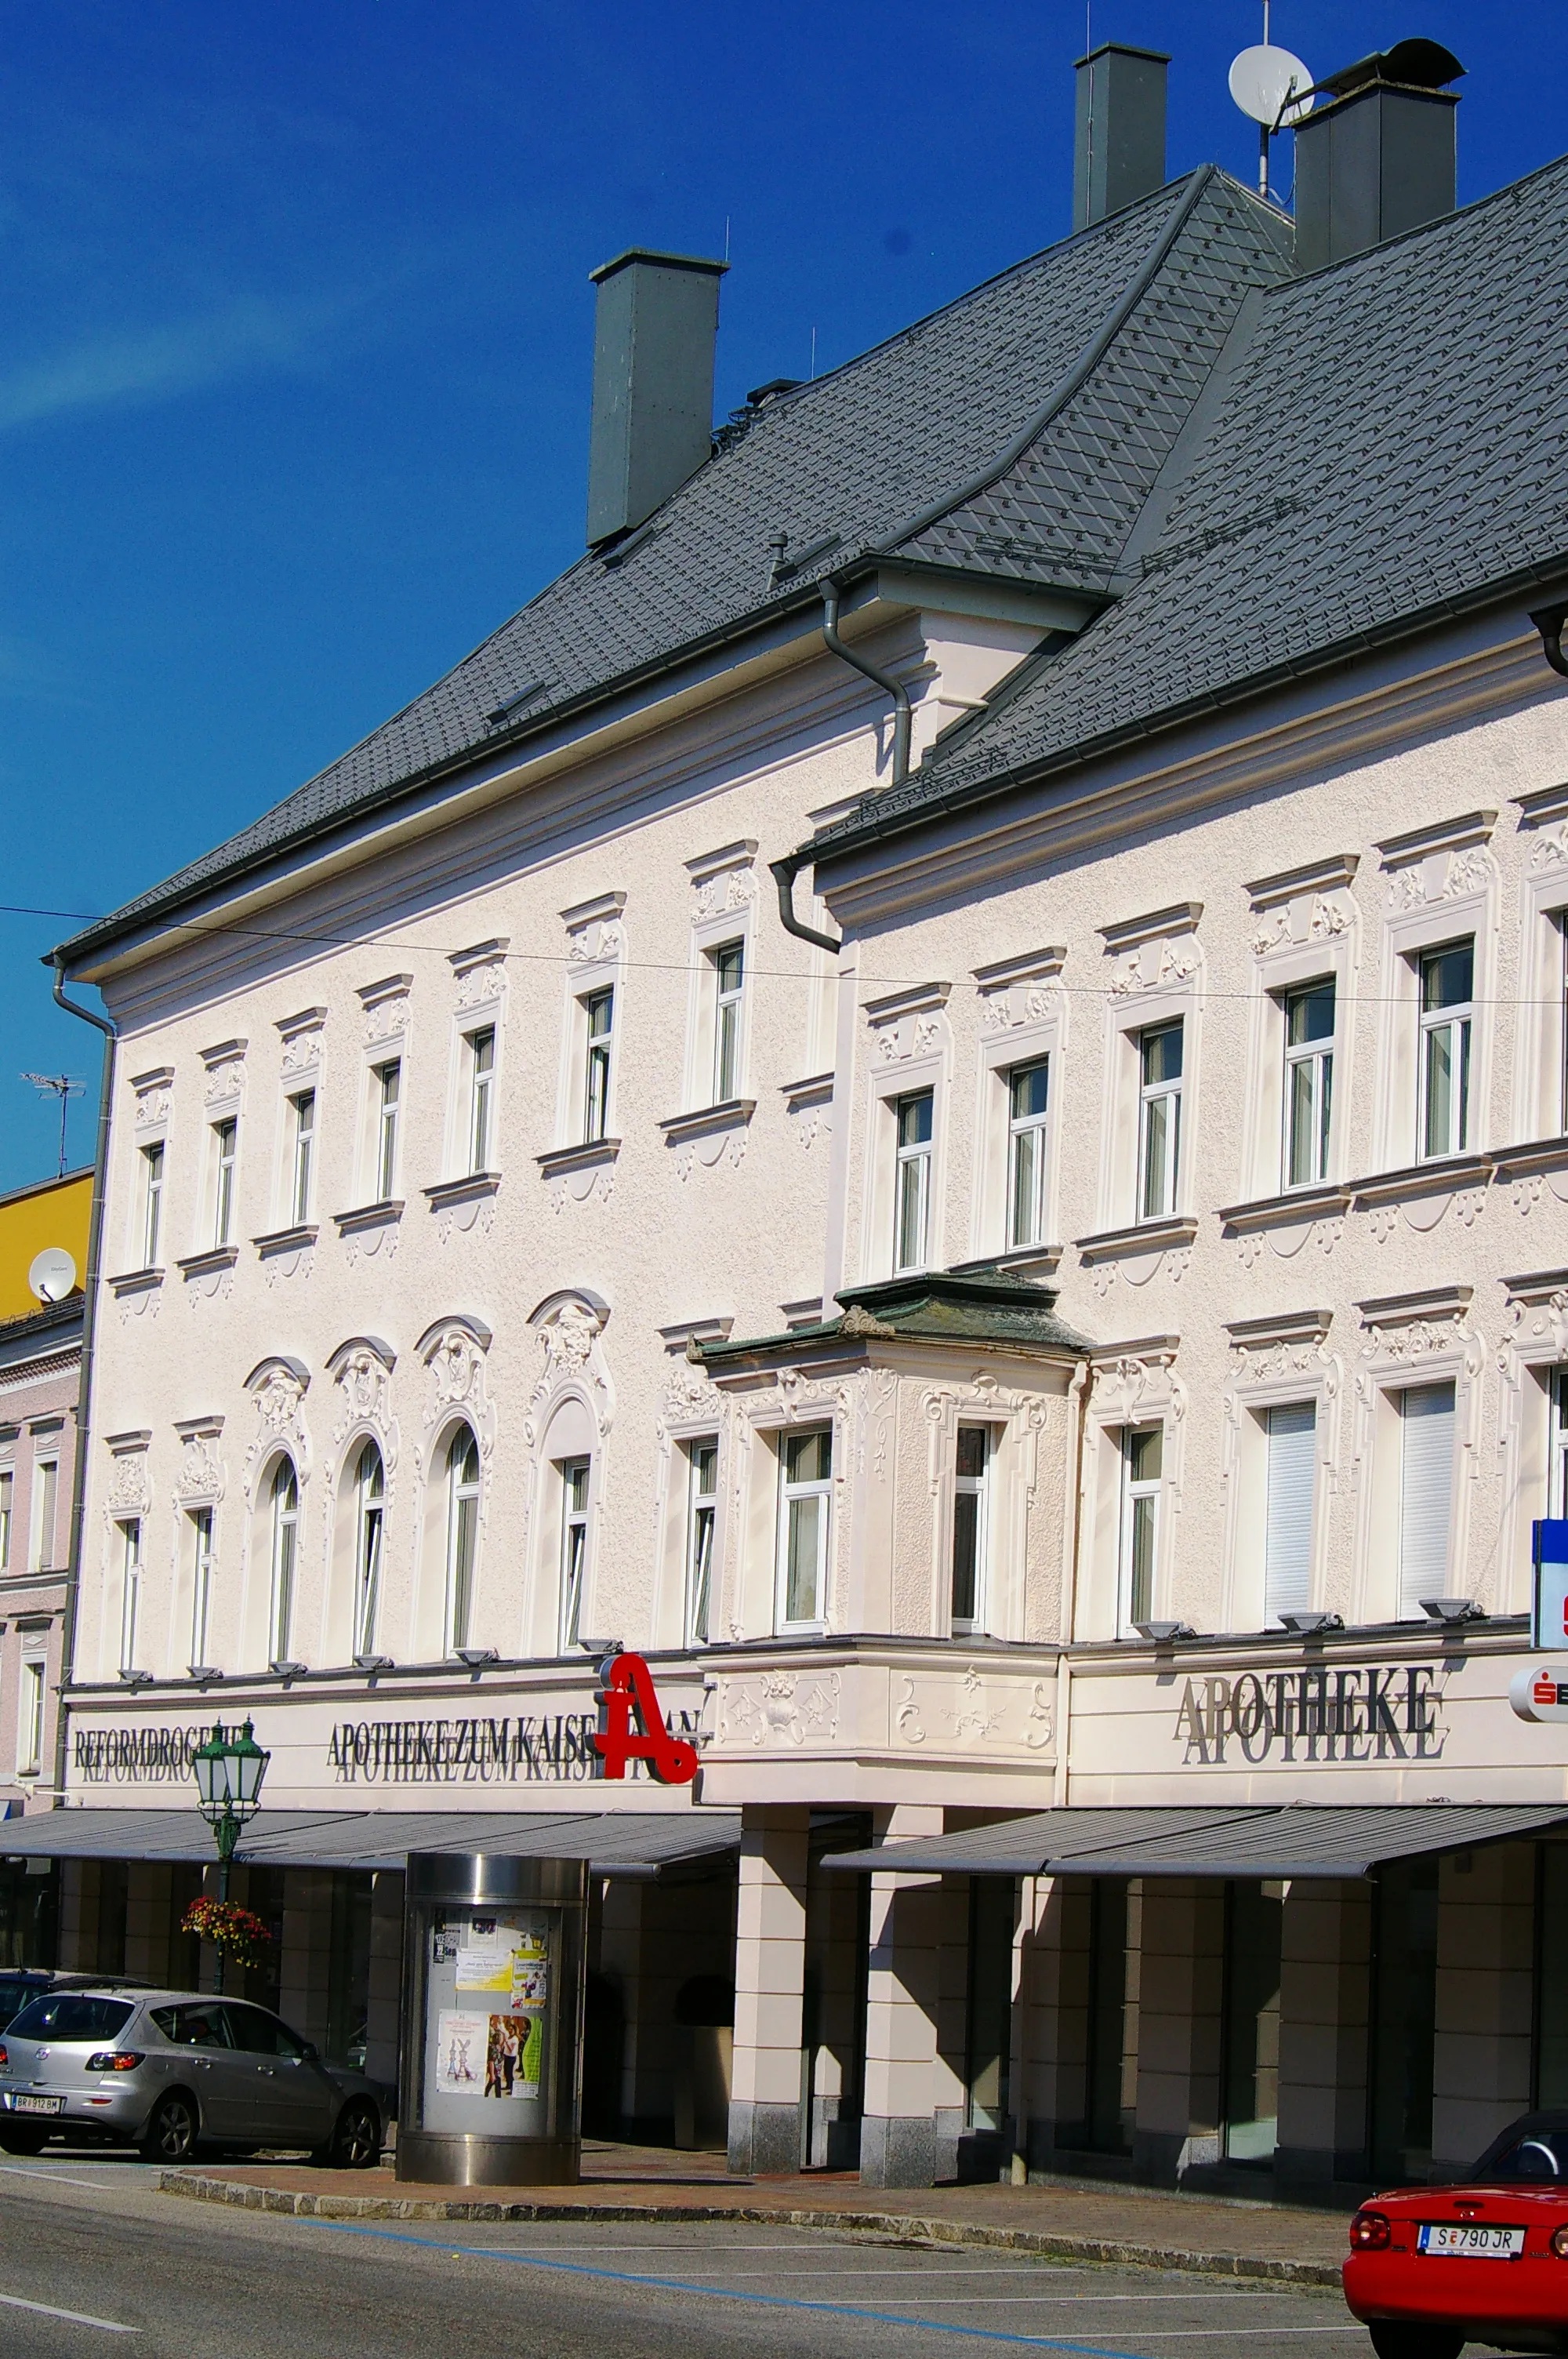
x=1432 y=2268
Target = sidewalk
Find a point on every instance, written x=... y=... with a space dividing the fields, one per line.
x=1063 y=2220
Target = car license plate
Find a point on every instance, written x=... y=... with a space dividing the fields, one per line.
x=37 y=2104
x=1468 y=2241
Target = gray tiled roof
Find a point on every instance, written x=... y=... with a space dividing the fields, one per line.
x=914 y=447
x=1393 y=441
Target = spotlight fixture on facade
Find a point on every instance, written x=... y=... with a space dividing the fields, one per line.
x=1453 y=1609
x=1162 y=1633
x=1313 y=1626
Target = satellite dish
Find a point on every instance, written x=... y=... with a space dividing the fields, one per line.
x=1263 y=81
x=52 y=1274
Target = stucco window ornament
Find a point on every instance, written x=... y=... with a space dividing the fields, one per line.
x=569 y=1327
x=481 y=973
x=726 y=890
x=1442 y=876
x=781 y=1708
x=152 y=1096
x=129 y=1492
x=595 y=934
x=1550 y=849
x=454 y=1353
x=225 y=1064
x=1160 y=965
x=362 y=1370
x=691 y=1399
x=199 y=1478
x=278 y=1386
x=385 y=1005
x=302 y=1038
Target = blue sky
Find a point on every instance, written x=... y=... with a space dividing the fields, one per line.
x=295 y=327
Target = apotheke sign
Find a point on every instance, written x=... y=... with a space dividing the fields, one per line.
x=1367 y=1712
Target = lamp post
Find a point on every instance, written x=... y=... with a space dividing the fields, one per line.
x=229 y=1770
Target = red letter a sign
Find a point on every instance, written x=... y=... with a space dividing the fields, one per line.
x=627 y=1684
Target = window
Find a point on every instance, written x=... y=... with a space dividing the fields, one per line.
x=1557 y=1477
x=1027 y=1090
x=1159 y=1121
x=45 y=1508
x=388 y=1084
x=302 y=1120
x=1287 y=1535
x=462 y=1534
x=599 y=1008
x=130 y=1589
x=200 y=1585
x=8 y=1498
x=480 y=1058
x=1142 y=1456
x=702 y=1509
x=225 y=1141
x=1426 y=1494
x=805 y=1524
x=30 y=1716
x=284 y=1558
x=1309 y=1083
x=729 y=978
x=152 y=1202
x=912 y=1204
x=968 y=1528
x=370 y=1513
x=1448 y=986
x=574 y=1545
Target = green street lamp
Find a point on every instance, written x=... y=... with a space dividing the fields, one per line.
x=229 y=1770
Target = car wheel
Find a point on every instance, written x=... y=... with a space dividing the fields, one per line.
x=22 y=2137
x=356 y=2141
x=170 y=2134
x=1396 y=2340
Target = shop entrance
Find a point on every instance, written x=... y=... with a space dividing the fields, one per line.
x=1405 y=2008
x=1110 y=2062
x=988 y=2015
x=1251 y=2084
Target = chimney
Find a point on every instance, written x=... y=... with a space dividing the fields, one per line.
x=1119 y=152
x=1378 y=157
x=656 y=324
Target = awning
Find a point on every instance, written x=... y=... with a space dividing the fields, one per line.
x=1272 y=1843
x=621 y=1844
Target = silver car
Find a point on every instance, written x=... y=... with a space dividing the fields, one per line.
x=165 y=2070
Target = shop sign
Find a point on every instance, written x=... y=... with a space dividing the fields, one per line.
x=1367 y=1711
x=140 y=1756
x=626 y=1691
x=1549 y=1598
x=1541 y=1692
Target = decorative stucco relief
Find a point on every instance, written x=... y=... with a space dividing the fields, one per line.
x=780 y=1708
x=130 y=1491
x=708 y=1149
x=199 y=1479
x=1310 y=916
x=1440 y=877
x=923 y=1033
x=1161 y=964
x=976 y=1711
x=277 y=1387
x=727 y=890
x=596 y=942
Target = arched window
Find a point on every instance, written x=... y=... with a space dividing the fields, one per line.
x=285 y=1558
x=369 y=1512
x=462 y=1534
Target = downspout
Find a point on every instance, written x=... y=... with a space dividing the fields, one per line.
x=784 y=871
x=89 y=1327
x=1549 y=621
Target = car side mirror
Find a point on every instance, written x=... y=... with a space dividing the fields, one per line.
x=309 y=2052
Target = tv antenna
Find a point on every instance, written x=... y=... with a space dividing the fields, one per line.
x=1275 y=88
x=64 y=1088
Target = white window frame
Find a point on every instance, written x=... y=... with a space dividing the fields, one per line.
x=1169 y=1093
x=31 y=1690
x=43 y=1533
x=701 y=1538
x=202 y=1521
x=302 y=1107
x=1272 y=1371
x=1306 y=931
x=1318 y=1053
x=7 y=1512
x=462 y=1491
x=1037 y=1129
x=978 y=1487
x=1136 y=1491
x=1456 y=1018
x=224 y=1133
x=1023 y=1022
x=283 y=1558
x=913 y=1181
x=911 y=1051
x=1449 y=1353
x=386 y=1119
x=792 y=1493
x=729 y=1020
x=152 y=1153
x=1133 y=1387
x=129 y=1528
x=596 y=1090
x=1441 y=915
x=370 y=1548
x=576 y=1515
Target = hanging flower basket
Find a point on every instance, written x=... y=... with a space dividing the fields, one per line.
x=237 y=1932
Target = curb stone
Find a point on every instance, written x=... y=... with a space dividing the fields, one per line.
x=893 y=2227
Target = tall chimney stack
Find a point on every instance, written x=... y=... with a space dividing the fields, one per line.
x=1378 y=158
x=656 y=325
x=1118 y=153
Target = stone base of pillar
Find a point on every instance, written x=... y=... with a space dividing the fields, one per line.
x=898 y=2150
x=764 y=2140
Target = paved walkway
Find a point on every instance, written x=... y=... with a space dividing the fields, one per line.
x=1064 y=2219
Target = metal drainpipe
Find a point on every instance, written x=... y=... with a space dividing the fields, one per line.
x=784 y=871
x=89 y=1327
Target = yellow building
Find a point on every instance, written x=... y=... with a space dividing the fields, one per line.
x=49 y=1212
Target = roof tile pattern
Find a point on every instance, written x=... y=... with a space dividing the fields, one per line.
x=860 y=454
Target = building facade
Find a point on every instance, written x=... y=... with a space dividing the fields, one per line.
x=1068 y=1318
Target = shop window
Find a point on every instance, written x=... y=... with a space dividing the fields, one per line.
x=987 y=2043
x=1028 y=1091
x=348 y=1972
x=1110 y=2063
x=200 y=1526
x=1404 y=2010
x=806 y=1512
x=1426 y=1494
x=702 y=1510
x=966 y=1593
x=1142 y=1459
x=574 y=1472
x=462 y=1534
x=285 y=1506
x=1292 y=1433
x=912 y=1194
x=1447 y=1015
x=1309 y=1083
x=1253 y=1917
x=370 y=1532
x=1159 y=1121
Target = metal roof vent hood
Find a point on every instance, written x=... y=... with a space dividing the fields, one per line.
x=1378 y=158
x=1119 y=151
x=656 y=325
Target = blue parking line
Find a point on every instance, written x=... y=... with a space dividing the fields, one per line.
x=719 y=2293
